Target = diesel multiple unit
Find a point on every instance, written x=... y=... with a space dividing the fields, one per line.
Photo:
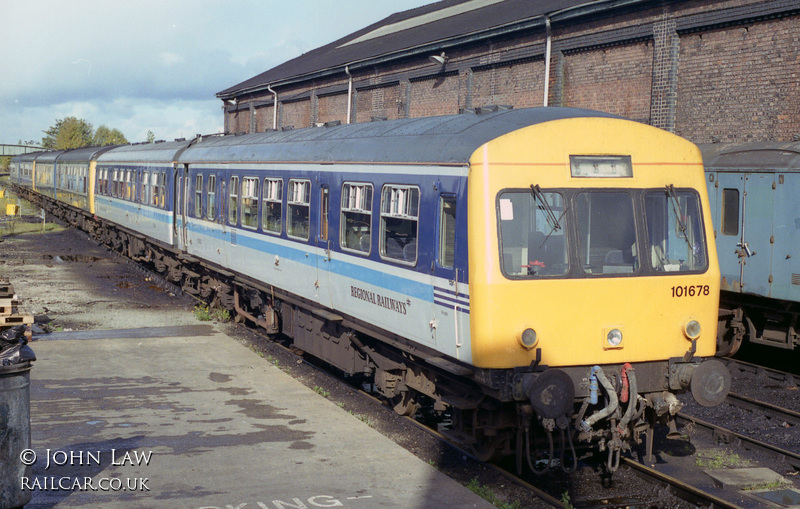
x=547 y=276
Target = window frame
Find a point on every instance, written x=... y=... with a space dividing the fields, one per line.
x=391 y=208
x=234 y=192
x=291 y=202
x=211 y=198
x=347 y=202
x=256 y=198
x=268 y=197
x=726 y=212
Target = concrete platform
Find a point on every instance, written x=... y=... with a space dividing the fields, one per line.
x=188 y=417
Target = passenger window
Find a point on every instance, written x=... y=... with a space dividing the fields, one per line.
x=399 y=217
x=211 y=210
x=250 y=202
x=198 y=196
x=356 y=221
x=233 y=201
x=447 y=231
x=730 y=212
x=271 y=208
x=299 y=206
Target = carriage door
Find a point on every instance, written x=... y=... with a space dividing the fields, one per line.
x=727 y=215
x=181 y=195
x=450 y=296
x=322 y=202
x=757 y=233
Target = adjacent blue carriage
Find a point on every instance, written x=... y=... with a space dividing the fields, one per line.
x=754 y=189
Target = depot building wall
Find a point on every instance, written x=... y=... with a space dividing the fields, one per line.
x=707 y=70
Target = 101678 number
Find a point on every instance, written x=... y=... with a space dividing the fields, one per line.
x=690 y=291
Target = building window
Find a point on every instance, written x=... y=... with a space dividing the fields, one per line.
x=299 y=209
x=730 y=212
x=233 y=201
x=250 y=202
x=271 y=208
x=356 y=221
x=399 y=217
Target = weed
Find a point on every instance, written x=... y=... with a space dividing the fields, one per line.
x=205 y=314
x=489 y=495
x=202 y=313
x=767 y=486
x=321 y=391
x=713 y=459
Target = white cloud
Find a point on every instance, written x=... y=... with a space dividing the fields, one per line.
x=170 y=59
x=139 y=65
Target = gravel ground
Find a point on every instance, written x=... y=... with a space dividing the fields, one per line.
x=70 y=283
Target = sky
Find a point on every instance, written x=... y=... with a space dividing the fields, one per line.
x=154 y=65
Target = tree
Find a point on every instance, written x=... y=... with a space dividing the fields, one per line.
x=105 y=136
x=150 y=137
x=68 y=133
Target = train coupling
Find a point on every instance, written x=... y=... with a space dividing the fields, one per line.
x=709 y=381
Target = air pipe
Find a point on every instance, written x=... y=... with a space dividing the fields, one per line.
x=547 y=61
x=274 y=107
x=612 y=404
x=349 y=91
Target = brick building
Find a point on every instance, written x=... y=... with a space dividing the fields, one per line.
x=707 y=70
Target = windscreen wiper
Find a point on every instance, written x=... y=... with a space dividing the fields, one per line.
x=551 y=217
x=676 y=208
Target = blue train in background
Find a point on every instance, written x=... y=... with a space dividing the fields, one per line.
x=754 y=191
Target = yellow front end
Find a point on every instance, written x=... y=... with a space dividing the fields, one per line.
x=573 y=314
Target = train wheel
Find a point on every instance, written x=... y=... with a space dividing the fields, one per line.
x=405 y=403
x=730 y=333
x=485 y=450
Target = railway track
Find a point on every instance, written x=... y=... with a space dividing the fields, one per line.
x=726 y=436
x=677 y=488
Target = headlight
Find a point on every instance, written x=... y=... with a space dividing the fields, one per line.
x=692 y=329
x=614 y=337
x=528 y=338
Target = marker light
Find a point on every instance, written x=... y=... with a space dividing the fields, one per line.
x=614 y=337
x=692 y=329
x=528 y=339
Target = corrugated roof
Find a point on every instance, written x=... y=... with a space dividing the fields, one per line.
x=759 y=156
x=425 y=28
x=448 y=139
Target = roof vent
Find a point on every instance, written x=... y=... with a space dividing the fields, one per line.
x=377 y=119
x=180 y=139
x=466 y=110
x=493 y=108
x=287 y=128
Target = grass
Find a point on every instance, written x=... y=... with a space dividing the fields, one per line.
x=490 y=496
x=713 y=459
x=321 y=391
x=767 y=486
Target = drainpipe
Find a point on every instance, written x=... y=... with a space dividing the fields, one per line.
x=547 y=62
x=349 y=91
x=274 y=107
